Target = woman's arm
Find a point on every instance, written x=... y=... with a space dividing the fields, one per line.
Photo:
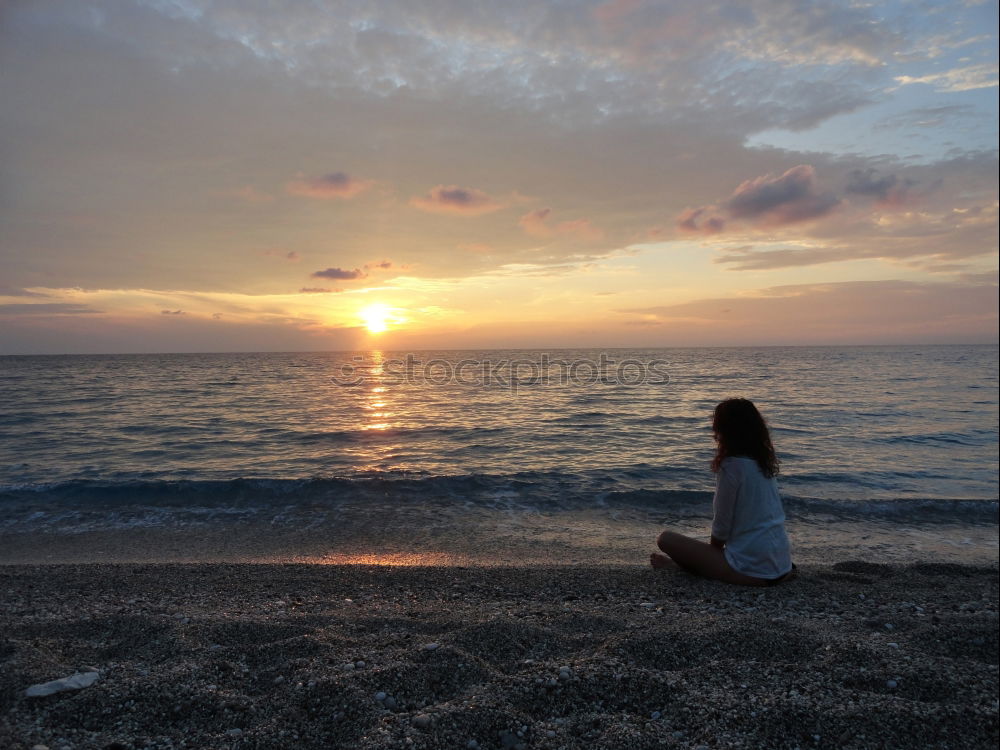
x=727 y=490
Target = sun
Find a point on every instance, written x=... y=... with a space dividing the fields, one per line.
x=377 y=317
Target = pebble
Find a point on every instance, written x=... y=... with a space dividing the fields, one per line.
x=278 y=680
x=647 y=605
x=359 y=664
x=421 y=721
x=39 y=747
x=472 y=745
x=380 y=696
x=889 y=626
x=390 y=703
x=892 y=644
x=236 y=732
x=431 y=646
x=73 y=682
x=655 y=715
x=891 y=684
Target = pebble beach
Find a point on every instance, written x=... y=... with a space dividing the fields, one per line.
x=850 y=654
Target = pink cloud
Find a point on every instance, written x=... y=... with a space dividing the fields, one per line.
x=581 y=229
x=451 y=199
x=787 y=199
x=767 y=201
x=334 y=185
x=536 y=224
x=289 y=255
x=703 y=220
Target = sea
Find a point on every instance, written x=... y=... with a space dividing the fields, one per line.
x=557 y=454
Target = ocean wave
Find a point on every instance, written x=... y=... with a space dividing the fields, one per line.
x=527 y=491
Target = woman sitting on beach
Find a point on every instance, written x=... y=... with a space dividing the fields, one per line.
x=748 y=545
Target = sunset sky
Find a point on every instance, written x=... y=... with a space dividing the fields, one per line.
x=240 y=175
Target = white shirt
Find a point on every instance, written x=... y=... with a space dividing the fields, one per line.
x=750 y=519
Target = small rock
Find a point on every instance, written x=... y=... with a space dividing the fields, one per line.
x=891 y=684
x=431 y=646
x=472 y=745
x=647 y=605
x=359 y=664
x=892 y=644
x=39 y=747
x=73 y=682
x=889 y=626
x=278 y=680
x=390 y=703
x=655 y=715
x=380 y=695
x=235 y=732
x=421 y=721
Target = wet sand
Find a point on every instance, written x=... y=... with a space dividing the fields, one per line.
x=851 y=654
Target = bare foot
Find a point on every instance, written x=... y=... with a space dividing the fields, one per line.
x=659 y=560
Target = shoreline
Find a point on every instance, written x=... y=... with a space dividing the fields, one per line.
x=407 y=535
x=850 y=654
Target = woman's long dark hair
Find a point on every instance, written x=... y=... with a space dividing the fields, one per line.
x=741 y=431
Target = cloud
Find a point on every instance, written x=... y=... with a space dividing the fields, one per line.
x=172 y=312
x=888 y=190
x=452 y=199
x=533 y=223
x=969 y=78
x=881 y=311
x=702 y=220
x=289 y=255
x=14 y=291
x=334 y=185
x=767 y=201
x=339 y=274
x=382 y=265
x=774 y=201
x=47 y=308
x=317 y=290
x=536 y=224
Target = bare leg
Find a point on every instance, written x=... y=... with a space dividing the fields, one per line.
x=702 y=559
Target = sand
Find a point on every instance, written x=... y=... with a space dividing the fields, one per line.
x=849 y=655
